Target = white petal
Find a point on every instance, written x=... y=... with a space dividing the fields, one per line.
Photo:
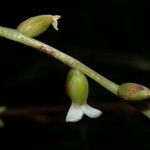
x=90 y=111
x=74 y=114
x=55 y=21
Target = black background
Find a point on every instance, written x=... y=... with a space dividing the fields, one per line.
x=110 y=36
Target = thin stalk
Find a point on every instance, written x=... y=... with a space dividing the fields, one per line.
x=66 y=59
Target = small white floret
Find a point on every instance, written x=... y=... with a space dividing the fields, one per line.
x=76 y=112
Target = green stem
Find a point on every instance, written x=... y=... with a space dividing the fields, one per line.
x=66 y=59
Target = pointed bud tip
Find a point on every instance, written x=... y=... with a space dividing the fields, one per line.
x=55 y=21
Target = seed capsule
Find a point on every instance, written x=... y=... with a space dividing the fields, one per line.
x=35 y=26
x=133 y=92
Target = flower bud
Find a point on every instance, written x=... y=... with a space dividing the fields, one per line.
x=133 y=92
x=35 y=26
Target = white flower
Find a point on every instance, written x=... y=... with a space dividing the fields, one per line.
x=78 y=89
x=76 y=112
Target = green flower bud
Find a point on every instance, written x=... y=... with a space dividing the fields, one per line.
x=133 y=92
x=77 y=87
x=35 y=26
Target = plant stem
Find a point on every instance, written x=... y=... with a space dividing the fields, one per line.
x=66 y=59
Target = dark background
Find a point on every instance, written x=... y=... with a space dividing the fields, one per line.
x=110 y=36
